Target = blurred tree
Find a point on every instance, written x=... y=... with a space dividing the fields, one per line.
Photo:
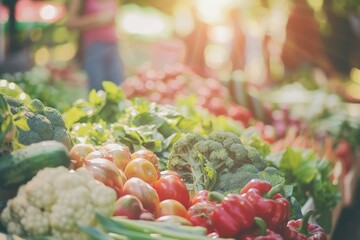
x=12 y=29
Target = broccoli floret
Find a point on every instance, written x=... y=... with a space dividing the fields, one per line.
x=36 y=106
x=220 y=152
x=225 y=138
x=13 y=102
x=28 y=137
x=61 y=135
x=232 y=182
x=41 y=125
x=255 y=157
x=194 y=168
x=54 y=116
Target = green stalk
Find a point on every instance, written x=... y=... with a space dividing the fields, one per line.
x=262 y=225
x=216 y=197
x=274 y=190
x=169 y=230
x=304 y=222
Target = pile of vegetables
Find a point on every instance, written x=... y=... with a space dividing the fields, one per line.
x=143 y=170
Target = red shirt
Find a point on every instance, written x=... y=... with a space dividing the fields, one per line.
x=102 y=33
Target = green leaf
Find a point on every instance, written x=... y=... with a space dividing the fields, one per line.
x=113 y=92
x=73 y=115
x=147 y=118
x=22 y=124
x=290 y=159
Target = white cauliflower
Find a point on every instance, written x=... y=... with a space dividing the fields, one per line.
x=54 y=201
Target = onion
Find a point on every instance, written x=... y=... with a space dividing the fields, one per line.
x=120 y=155
x=78 y=152
x=106 y=172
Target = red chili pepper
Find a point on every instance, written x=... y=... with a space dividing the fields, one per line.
x=259 y=232
x=302 y=230
x=199 y=215
x=233 y=214
x=268 y=203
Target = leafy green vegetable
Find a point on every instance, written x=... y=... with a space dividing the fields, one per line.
x=310 y=176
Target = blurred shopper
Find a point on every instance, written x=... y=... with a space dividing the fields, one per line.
x=237 y=54
x=196 y=42
x=95 y=19
x=303 y=44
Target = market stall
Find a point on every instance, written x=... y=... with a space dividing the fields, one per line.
x=234 y=142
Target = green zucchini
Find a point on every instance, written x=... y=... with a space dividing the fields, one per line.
x=20 y=166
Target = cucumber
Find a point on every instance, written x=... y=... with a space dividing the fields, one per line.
x=20 y=166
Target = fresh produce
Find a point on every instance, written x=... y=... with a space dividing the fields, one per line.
x=128 y=206
x=200 y=196
x=268 y=203
x=54 y=201
x=199 y=215
x=78 y=153
x=144 y=191
x=120 y=155
x=118 y=228
x=148 y=155
x=143 y=169
x=169 y=86
x=21 y=165
x=171 y=186
x=301 y=229
x=259 y=232
x=106 y=172
x=233 y=214
x=171 y=207
x=216 y=161
x=311 y=176
x=38 y=122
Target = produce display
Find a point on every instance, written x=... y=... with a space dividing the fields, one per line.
x=127 y=167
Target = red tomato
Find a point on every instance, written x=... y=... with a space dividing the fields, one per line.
x=201 y=196
x=172 y=187
x=141 y=168
x=171 y=207
x=199 y=215
x=142 y=190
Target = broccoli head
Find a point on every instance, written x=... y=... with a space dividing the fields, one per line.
x=201 y=159
x=43 y=123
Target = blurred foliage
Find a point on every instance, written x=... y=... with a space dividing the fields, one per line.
x=164 y=6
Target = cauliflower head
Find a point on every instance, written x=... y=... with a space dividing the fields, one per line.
x=54 y=201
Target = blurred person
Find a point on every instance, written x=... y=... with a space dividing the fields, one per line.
x=237 y=55
x=100 y=55
x=196 y=42
x=303 y=44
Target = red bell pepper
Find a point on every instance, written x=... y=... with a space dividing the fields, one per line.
x=268 y=203
x=232 y=214
x=302 y=230
x=199 y=215
x=259 y=232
